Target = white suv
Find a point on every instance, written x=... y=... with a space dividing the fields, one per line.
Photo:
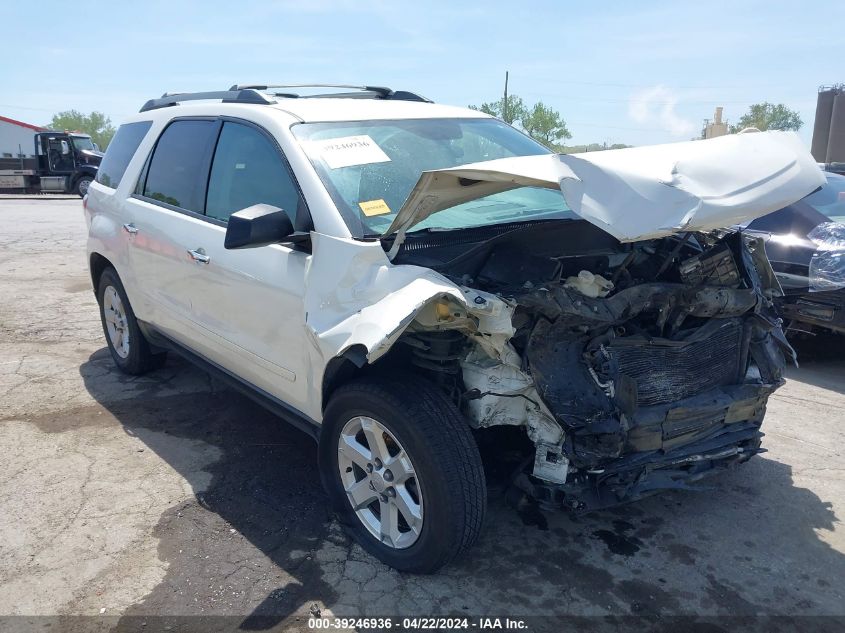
x=404 y=280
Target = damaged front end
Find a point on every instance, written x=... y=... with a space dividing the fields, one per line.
x=659 y=383
x=633 y=339
x=632 y=367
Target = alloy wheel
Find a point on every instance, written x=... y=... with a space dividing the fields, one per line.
x=117 y=324
x=380 y=482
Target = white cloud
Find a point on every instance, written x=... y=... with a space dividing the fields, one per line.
x=656 y=105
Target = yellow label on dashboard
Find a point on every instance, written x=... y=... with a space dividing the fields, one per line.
x=374 y=207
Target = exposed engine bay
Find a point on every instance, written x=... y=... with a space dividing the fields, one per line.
x=633 y=367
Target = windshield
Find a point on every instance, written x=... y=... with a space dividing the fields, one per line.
x=370 y=167
x=830 y=199
x=82 y=142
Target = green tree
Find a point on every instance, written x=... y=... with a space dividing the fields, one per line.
x=514 y=112
x=769 y=116
x=97 y=124
x=544 y=124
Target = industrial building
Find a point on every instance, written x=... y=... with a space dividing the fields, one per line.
x=17 y=148
x=829 y=128
x=716 y=127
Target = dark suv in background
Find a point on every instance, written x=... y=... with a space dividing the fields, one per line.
x=806 y=245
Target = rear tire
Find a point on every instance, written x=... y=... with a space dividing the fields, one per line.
x=427 y=442
x=128 y=347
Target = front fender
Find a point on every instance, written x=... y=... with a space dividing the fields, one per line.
x=358 y=304
x=356 y=296
x=83 y=170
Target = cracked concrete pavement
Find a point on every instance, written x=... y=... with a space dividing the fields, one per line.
x=170 y=495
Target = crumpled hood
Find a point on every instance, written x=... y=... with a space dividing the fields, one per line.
x=642 y=192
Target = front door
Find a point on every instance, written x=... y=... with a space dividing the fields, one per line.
x=241 y=309
x=59 y=156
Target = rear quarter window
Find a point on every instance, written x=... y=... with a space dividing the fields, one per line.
x=120 y=151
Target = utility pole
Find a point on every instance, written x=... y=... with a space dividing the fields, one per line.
x=505 y=101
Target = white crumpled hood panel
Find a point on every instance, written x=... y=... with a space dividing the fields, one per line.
x=642 y=192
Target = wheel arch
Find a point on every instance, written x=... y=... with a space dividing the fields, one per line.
x=97 y=264
x=341 y=369
x=84 y=171
x=372 y=335
x=373 y=347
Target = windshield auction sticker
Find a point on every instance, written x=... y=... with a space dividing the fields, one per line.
x=374 y=207
x=348 y=151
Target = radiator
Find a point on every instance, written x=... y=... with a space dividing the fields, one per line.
x=667 y=371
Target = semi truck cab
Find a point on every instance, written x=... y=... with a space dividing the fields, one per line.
x=64 y=162
x=67 y=162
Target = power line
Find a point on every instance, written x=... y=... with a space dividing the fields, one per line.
x=19 y=107
x=679 y=101
x=651 y=85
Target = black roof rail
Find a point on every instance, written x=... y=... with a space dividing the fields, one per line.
x=363 y=92
x=227 y=96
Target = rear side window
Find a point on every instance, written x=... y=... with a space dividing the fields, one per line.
x=178 y=169
x=120 y=151
x=248 y=169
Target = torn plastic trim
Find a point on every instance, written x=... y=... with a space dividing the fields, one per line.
x=639 y=193
x=500 y=393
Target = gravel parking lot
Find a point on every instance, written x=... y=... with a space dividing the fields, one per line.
x=171 y=495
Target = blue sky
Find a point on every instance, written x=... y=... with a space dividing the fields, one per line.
x=626 y=72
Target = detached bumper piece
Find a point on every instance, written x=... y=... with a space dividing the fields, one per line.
x=667 y=448
x=674 y=414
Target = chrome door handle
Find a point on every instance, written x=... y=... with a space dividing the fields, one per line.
x=199 y=256
x=130 y=228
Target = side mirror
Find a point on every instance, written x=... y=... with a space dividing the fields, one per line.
x=259 y=225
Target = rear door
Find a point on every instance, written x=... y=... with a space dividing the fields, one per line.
x=167 y=209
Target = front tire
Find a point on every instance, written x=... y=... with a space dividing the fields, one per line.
x=403 y=472
x=82 y=184
x=128 y=347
